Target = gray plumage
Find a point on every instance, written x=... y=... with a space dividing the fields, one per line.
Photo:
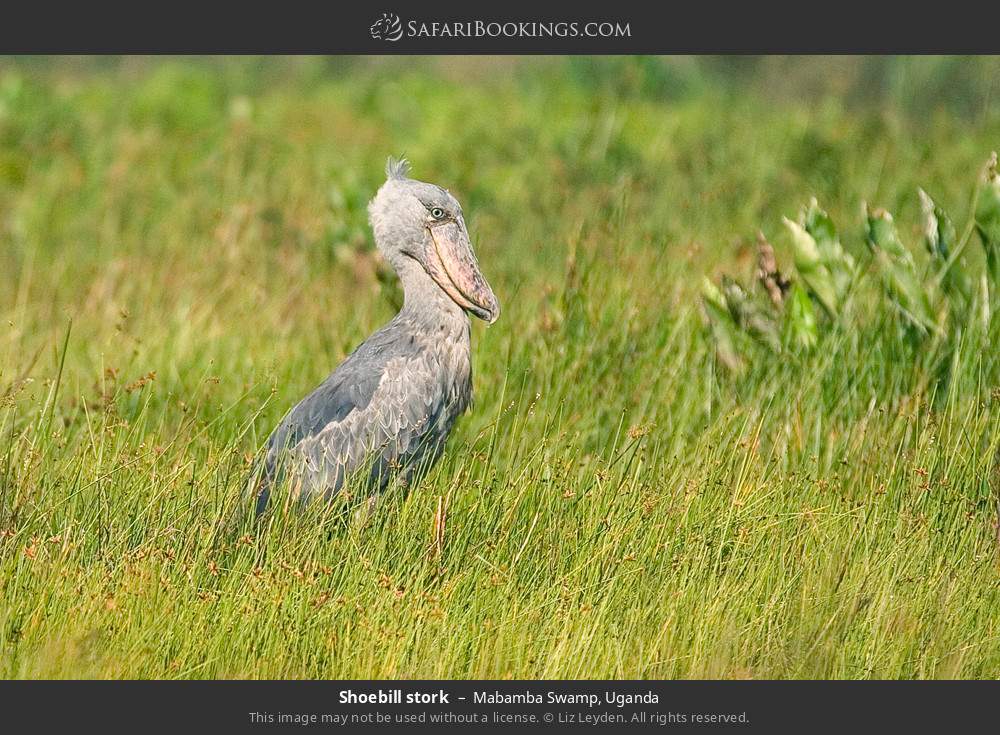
x=387 y=410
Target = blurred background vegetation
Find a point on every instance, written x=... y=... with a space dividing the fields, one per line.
x=773 y=125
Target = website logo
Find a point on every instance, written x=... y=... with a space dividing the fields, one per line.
x=390 y=28
x=387 y=28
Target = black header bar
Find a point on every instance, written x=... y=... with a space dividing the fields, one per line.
x=396 y=27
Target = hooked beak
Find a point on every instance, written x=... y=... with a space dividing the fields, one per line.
x=453 y=266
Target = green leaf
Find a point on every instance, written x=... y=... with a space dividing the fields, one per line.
x=809 y=264
x=939 y=239
x=750 y=315
x=988 y=222
x=800 y=319
x=721 y=326
x=898 y=270
x=838 y=262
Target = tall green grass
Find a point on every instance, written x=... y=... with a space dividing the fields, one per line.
x=185 y=254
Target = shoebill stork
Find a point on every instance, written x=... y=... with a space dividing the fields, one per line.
x=386 y=411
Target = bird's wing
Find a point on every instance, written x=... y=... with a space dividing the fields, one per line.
x=349 y=388
x=366 y=407
x=406 y=398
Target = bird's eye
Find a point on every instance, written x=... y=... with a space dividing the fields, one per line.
x=437 y=213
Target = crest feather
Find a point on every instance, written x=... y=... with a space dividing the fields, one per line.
x=397 y=168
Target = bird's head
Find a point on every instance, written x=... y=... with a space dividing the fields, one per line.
x=413 y=220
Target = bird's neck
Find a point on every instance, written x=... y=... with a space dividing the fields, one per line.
x=425 y=303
